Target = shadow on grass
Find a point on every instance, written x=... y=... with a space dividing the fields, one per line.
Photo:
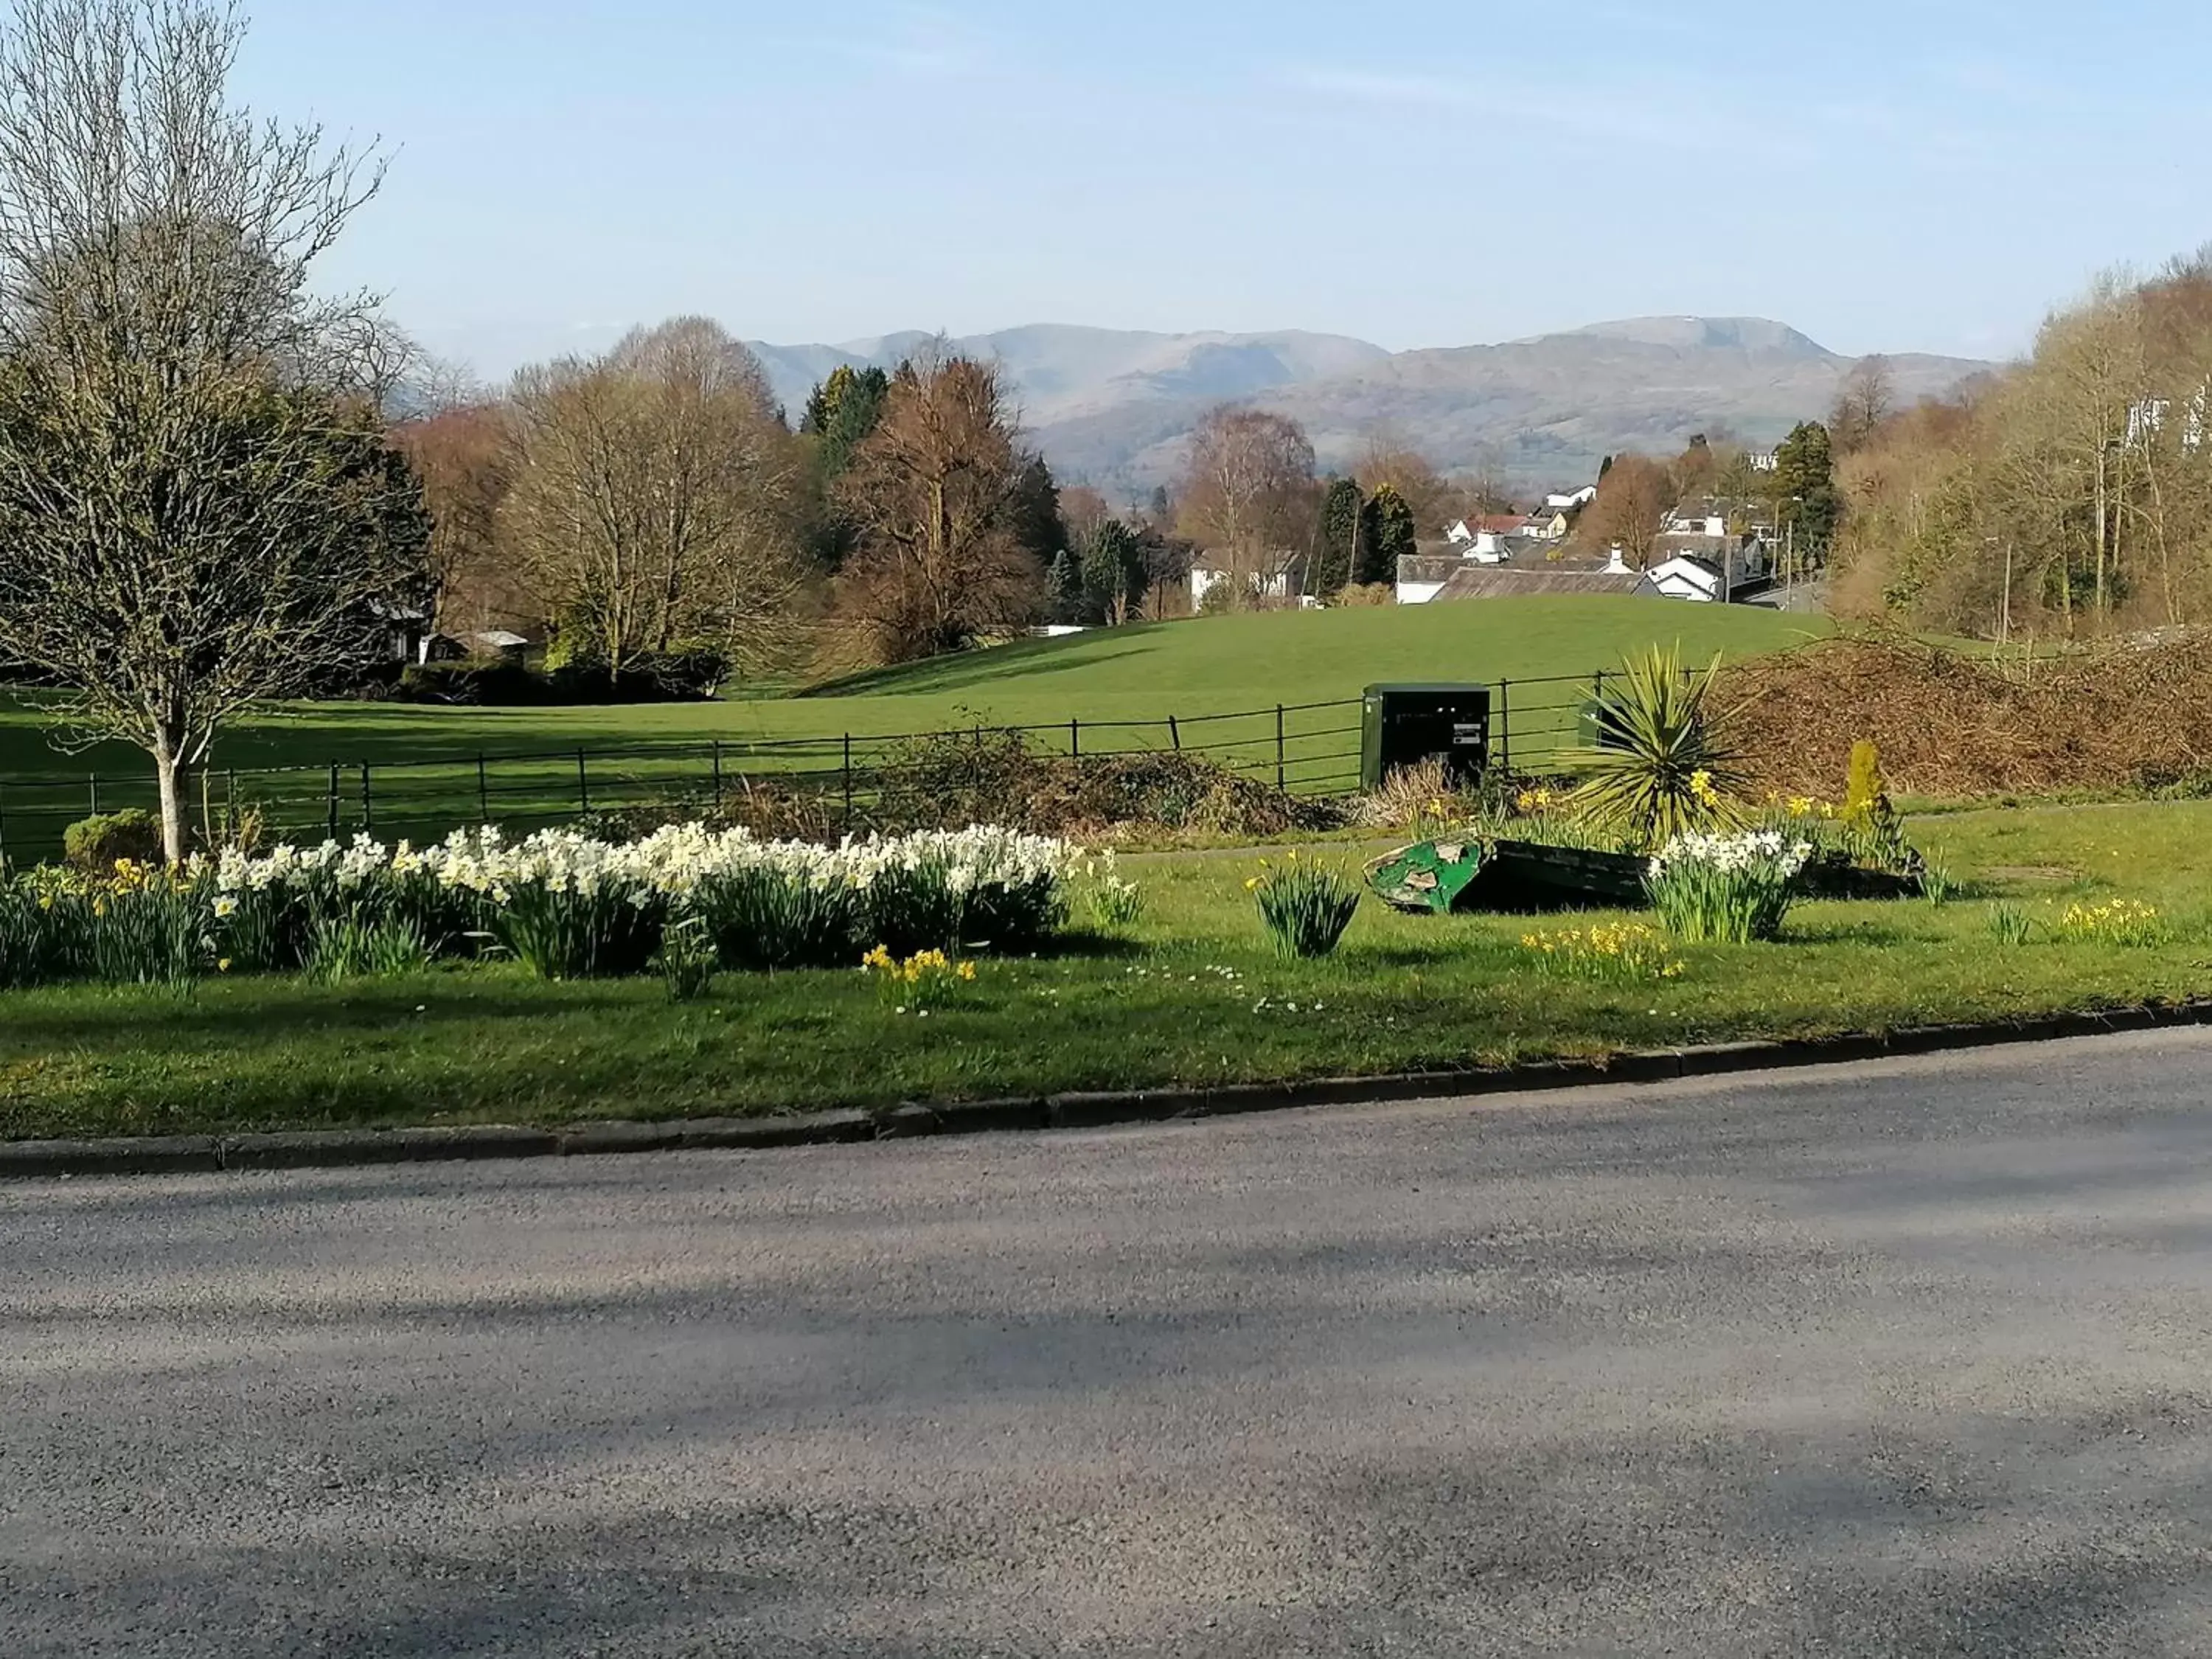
x=968 y=668
x=111 y=1018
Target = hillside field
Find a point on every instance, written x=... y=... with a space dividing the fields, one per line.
x=1194 y=669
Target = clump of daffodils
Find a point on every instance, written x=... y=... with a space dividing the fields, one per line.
x=917 y=983
x=1623 y=952
x=2127 y=922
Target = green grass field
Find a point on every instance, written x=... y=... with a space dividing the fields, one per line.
x=1190 y=995
x=1190 y=670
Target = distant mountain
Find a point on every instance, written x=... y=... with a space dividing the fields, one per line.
x=1060 y=373
x=1116 y=409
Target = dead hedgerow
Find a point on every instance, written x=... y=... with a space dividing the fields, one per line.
x=1955 y=726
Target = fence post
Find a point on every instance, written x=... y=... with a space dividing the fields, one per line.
x=848 y=783
x=96 y=794
x=583 y=785
x=1505 y=723
x=483 y=790
x=1075 y=739
x=718 y=774
x=1279 y=783
x=334 y=800
x=367 y=802
x=1175 y=734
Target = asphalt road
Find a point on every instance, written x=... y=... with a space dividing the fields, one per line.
x=1912 y=1358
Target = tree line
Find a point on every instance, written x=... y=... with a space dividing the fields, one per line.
x=2067 y=495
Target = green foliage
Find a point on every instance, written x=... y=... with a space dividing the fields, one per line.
x=1804 y=486
x=1703 y=902
x=1305 y=906
x=778 y=919
x=1112 y=899
x=1063 y=589
x=2009 y=924
x=1937 y=886
x=611 y=930
x=1387 y=534
x=1663 y=771
x=1340 y=515
x=1111 y=562
x=1033 y=515
x=343 y=947
x=688 y=960
x=156 y=934
x=94 y=844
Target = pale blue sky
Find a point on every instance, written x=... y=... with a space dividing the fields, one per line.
x=1886 y=175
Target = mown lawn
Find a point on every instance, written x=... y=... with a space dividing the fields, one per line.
x=1190 y=995
x=1188 y=669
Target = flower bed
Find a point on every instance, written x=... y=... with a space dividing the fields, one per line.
x=565 y=904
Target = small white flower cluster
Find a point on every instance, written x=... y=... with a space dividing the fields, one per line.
x=1767 y=851
x=671 y=863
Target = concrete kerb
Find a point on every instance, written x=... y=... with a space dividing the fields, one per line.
x=341 y=1148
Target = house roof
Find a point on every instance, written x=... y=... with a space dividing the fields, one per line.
x=1498 y=581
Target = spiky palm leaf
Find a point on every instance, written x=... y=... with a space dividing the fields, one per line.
x=1663 y=769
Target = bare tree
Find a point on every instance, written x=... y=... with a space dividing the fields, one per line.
x=192 y=519
x=1249 y=497
x=1632 y=500
x=465 y=457
x=938 y=492
x=652 y=500
x=1862 y=404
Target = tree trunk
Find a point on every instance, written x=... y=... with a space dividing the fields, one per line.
x=168 y=774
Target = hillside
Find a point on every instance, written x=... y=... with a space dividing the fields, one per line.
x=1114 y=409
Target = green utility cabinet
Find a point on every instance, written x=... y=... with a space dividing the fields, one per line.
x=1404 y=724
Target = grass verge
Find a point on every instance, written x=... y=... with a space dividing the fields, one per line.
x=1191 y=996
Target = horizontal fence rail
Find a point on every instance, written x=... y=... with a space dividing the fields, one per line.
x=1310 y=749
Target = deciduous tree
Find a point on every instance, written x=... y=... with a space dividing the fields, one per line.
x=652 y=498
x=937 y=492
x=196 y=503
x=1248 y=496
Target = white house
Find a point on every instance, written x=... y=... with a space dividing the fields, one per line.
x=1686 y=578
x=1573 y=502
x=1491 y=540
x=1205 y=578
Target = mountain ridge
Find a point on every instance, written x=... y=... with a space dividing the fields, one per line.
x=1116 y=408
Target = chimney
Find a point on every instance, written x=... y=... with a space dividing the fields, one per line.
x=1618 y=564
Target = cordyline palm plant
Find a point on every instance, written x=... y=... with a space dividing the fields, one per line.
x=1662 y=769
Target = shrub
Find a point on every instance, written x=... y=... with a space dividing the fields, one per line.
x=1623 y=952
x=995 y=777
x=2010 y=925
x=96 y=845
x=1305 y=906
x=1726 y=889
x=1663 y=771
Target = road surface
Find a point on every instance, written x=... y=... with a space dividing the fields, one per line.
x=1912 y=1358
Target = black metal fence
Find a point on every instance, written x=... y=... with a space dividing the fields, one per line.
x=1308 y=749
